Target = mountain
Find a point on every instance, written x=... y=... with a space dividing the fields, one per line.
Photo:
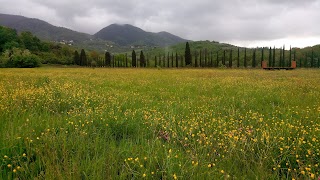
x=112 y=38
x=126 y=35
x=42 y=29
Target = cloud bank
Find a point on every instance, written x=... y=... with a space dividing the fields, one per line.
x=243 y=22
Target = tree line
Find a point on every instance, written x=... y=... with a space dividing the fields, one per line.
x=26 y=50
x=227 y=58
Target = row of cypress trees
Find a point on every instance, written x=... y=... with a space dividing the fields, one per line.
x=81 y=59
x=202 y=58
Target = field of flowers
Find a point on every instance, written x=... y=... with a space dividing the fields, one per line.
x=78 y=123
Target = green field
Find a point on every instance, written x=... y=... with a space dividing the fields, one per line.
x=81 y=123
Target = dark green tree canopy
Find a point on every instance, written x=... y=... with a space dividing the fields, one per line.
x=134 y=59
x=83 y=58
x=187 y=55
x=76 y=58
x=108 y=59
x=8 y=39
x=142 y=60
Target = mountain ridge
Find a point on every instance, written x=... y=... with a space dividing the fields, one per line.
x=42 y=29
x=123 y=35
x=126 y=34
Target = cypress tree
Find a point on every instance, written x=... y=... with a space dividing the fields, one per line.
x=168 y=60
x=224 y=58
x=270 y=57
x=134 y=59
x=306 y=62
x=238 y=58
x=280 y=62
x=290 y=55
x=181 y=58
x=113 y=61
x=217 y=60
x=76 y=58
x=195 y=59
x=155 y=61
x=83 y=58
x=187 y=54
x=211 y=59
x=294 y=55
x=254 y=58
x=205 y=57
x=312 y=58
x=126 y=60
x=200 y=63
x=230 y=59
x=107 y=59
x=142 y=60
x=177 y=60
x=262 y=55
x=300 y=62
x=172 y=60
x=274 y=57
x=164 y=60
x=245 y=58
x=148 y=62
x=284 y=56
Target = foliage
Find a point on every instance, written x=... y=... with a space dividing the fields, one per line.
x=47 y=53
x=134 y=59
x=142 y=60
x=93 y=64
x=76 y=57
x=108 y=59
x=8 y=39
x=19 y=59
x=187 y=55
x=83 y=58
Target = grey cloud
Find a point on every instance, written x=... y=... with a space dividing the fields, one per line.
x=230 y=20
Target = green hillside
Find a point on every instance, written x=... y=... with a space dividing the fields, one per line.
x=215 y=54
x=42 y=29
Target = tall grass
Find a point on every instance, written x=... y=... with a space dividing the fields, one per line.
x=159 y=124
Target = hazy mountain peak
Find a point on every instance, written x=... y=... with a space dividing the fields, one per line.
x=121 y=34
x=42 y=29
x=127 y=34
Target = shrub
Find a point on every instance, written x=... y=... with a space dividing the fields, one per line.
x=29 y=61
x=20 y=59
x=93 y=64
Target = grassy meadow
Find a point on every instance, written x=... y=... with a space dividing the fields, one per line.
x=83 y=123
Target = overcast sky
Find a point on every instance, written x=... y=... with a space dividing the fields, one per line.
x=241 y=22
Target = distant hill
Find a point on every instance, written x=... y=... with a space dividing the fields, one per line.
x=126 y=35
x=116 y=36
x=42 y=29
x=210 y=46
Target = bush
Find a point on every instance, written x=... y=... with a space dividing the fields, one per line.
x=93 y=64
x=20 y=59
x=28 y=61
